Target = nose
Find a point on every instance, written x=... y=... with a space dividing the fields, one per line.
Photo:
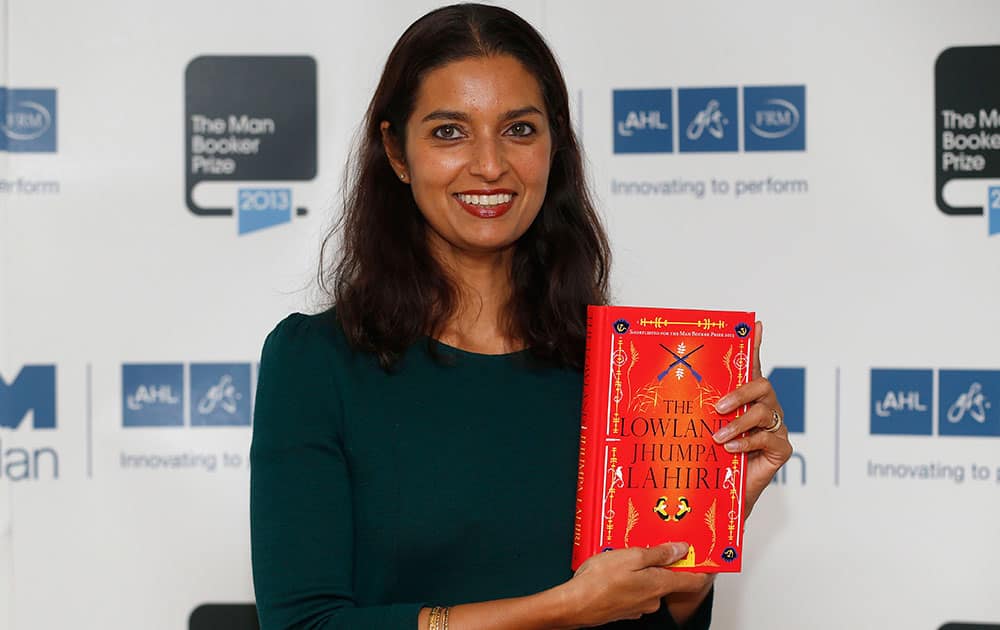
x=488 y=160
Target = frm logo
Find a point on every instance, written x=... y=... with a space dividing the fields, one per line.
x=154 y=395
x=29 y=120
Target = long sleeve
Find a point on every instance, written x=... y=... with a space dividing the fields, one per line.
x=300 y=495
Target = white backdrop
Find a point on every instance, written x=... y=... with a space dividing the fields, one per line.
x=102 y=267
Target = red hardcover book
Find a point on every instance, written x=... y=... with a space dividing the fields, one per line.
x=649 y=470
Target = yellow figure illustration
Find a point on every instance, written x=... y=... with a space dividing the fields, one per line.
x=661 y=508
x=683 y=508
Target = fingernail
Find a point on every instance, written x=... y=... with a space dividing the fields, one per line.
x=723 y=434
x=732 y=447
x=681 y=548
x=724 y=405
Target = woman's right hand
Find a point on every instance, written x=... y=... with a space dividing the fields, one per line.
x=627 y=583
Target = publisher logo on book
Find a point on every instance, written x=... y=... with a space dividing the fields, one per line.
x=967 y=133
x=153 y=395
x=249 y=120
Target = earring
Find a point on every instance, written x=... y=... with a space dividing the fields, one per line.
x=402 y=176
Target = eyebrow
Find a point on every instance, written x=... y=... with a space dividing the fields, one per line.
x=446 y=114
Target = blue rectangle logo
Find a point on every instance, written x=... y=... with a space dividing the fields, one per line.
x=966 y=402
x=643 y=120
x=261 y=208
x=993 y=209
x=220 y=394
x=790 y=385
x=32 y=390
x=774 y=118
x=153 y=395
x=709 y=119
x=29 y=120
x=901 y=402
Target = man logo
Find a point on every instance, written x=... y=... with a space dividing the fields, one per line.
x=712 y=119
x=966 y=403
x=29 y=122
x=901 y=402
x=34 y=391
x=775 y=118
x=642 y=121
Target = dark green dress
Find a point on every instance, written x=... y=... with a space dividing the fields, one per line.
x=373 y=494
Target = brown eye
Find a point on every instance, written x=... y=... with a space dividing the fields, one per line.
x=446 y=132
x=521 y=129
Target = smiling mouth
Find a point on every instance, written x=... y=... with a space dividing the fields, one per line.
x=486 y=206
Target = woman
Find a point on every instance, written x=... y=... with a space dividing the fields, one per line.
x=415 y=447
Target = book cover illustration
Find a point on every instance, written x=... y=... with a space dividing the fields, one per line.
x=650 y=471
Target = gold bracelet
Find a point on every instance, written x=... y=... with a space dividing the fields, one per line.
x=444 y=620
x=434 y=619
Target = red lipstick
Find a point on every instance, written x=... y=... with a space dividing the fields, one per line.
x=479 y=204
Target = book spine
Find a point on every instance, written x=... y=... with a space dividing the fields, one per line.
x=587 y=480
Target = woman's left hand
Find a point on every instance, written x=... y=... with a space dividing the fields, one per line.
x=766 y=441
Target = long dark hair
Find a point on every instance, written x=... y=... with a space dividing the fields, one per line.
x=388 y=289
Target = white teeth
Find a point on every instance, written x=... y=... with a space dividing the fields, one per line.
x=486 y=200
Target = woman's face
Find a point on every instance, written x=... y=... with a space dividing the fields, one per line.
x=478 y=149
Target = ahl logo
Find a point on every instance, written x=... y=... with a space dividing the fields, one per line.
x=153 y=395
x=642 y=121
x=711 y=116
x=901 y=402
x=775 y=118
x=249 y=119
x=29 y=120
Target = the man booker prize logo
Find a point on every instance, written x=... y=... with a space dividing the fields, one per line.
x=250 y=119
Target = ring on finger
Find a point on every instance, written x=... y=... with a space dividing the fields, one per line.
x=776 y=422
